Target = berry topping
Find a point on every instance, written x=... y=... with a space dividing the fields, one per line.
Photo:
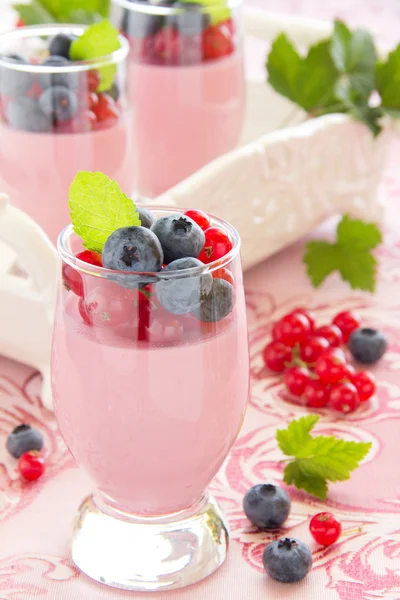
x=108 y=305
x=330 y=333
x=217 y=41
x=217 y=304
x=312 y=349
x=266 y=506
x=15 y=83
x=347 y=323
x=167 y=46
x=147 y=218
x=31 y=465
x=331 y=366
x=72 y=279
x=183 y=295
x=344 y=397
x=25 y=113
x=365 y=384
x=60 y=45
x=179 y=236
x=291 y=329
x=67 y=79
x=93 y=80
x=59 y=103
x=23 y=439
x=296 y=380
x=316 y=394
x=199 y=217
x=216 y=245
x=90 y=257
x=367 y=345
x=287 y=560
x=277 y=356
x=325 y=528
x=134 y=249
x=224 y=274
x=106 y=109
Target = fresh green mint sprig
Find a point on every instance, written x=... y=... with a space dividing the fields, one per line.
x=351 y=255
x=317 y=460
x=63 y=11
x=98 y=207
x=338 y=75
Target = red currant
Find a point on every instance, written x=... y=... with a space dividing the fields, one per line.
x=72 y=280
x=93 y=81
x=167 y=45
x=92 y=100
x=291 y=329
x=277 y=356
x=312 y=349
x=296 y=380
x=224 y=274
x=316 y=394
x=365 y=384
x=31 y=465
x=90 y=257
x=349 y=373
x=330 y=333
x=108 y=305
x=347 y=323
x=199 y=217
x=331 y=366
x=309 y=315
x=344 y=397
x=216 y=245
x=106 y=109
x=217 y=41
x=325 y=528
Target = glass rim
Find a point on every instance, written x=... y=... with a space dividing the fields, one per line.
x=51 y=29
x=83 y=267
x=154 y=9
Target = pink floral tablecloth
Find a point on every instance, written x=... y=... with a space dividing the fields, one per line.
x=35 y=519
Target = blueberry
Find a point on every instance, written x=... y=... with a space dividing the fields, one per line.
x=287 y=560
x=25 y=113
x=147 y=218
x=182 y=295
x=266 y=506
x=61 y=44
x=191 y=20
x=67 y=79
x=218 y=303
x=180 y=237
x=12 y=82
x=133 y=249
x=24 y=438
x=59 y=103
x=367 y=345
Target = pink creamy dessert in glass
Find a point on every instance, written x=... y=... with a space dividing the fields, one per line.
x=41 y=150
x=187 y=84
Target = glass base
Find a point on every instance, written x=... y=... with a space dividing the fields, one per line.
x=149 y=554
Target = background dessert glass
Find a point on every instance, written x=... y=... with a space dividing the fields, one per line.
x=39 y=157
x=149 y=404
x=187 y=83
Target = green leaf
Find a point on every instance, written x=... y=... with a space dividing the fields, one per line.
x=61 y=8
x=100 y=39
x=354 y=54
x=33 y=13
x=283 y=66
x=388 y=80
x=317 y=77
x=98 y=207
x=293 y=439
x=317 y=460
x=350 y=255
x=83 y=17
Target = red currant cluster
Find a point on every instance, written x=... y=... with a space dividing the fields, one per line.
x=314 y=366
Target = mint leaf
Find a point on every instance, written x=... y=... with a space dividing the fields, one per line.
x=98 y=40
x=98 y=207
x=83 y=17
x=354 y=55
x=33 y=13
x=388 y=80
x=350 y=255
x=59 y=9
x=293 y=439
x=317 y=460
x=283 y=66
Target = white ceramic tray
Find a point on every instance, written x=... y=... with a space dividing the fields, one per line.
x=276 y=187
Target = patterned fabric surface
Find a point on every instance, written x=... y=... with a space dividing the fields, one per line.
x=35 y=520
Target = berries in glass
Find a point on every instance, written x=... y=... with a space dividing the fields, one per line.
x=217 y=244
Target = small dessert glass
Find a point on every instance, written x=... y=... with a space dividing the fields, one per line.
x=187 y=82
x=55 y=121
x=149 y=403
